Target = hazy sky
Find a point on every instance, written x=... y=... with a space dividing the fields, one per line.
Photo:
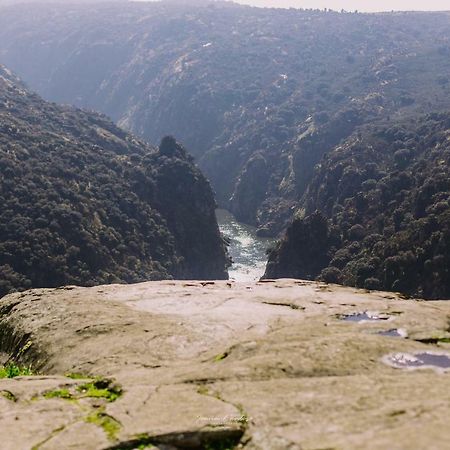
x=349 y=5
x=362 y=5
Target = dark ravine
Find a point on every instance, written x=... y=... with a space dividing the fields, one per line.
x=257 y=95
x=84 y=202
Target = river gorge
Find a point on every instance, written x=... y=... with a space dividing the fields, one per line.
x=247 y=250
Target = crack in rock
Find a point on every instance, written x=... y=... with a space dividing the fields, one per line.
x=194 y=440
x=288 y=305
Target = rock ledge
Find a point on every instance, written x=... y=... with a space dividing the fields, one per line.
x=283 y=364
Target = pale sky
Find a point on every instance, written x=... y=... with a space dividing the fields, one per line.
x=361 y=5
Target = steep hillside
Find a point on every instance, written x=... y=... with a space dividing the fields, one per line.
x=85 y=203
x=377 y=213
x=259 y=95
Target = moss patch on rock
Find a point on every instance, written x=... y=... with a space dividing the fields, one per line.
x=12 y=370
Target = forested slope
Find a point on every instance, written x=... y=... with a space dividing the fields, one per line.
x=258 y=95
x=84 y=202
x=377 y=213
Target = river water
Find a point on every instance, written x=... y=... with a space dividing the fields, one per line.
x=247 y=250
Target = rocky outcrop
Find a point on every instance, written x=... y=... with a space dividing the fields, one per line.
x=304 y=250
x=250 y=190
x=274 y=365
x=84 y=202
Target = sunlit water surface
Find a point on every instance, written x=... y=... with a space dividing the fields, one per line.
x=247 y=250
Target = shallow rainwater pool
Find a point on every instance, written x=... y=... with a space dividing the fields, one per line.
x=365 y=316
x=247 y=250
x=395 y=332
x=419 y=360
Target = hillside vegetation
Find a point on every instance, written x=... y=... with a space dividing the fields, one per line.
x=335 y=120
x=377 y=213
x=85 y=203
x=258 y=95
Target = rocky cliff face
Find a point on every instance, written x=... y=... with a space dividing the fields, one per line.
x=84 y=202
x=383 y=212
x=235 y=84
x=177 y=365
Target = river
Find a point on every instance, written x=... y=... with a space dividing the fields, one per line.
x=247 y=250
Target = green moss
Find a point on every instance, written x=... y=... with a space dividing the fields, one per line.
x=76 y=376
x=144 y=441
x=109 y=425
x=243 y=420
x=59 y=393
x=11 y=370
x=9 y=396
x=100 y=388
x=203 y=390
x=221 y=357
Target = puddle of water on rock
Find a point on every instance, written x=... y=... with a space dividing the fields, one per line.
x=420 y=360
x=366 y=316
x=395 y=332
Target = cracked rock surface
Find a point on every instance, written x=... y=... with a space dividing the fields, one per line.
x=221 y=365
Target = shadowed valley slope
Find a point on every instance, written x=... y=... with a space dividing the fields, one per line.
x=83 y=202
